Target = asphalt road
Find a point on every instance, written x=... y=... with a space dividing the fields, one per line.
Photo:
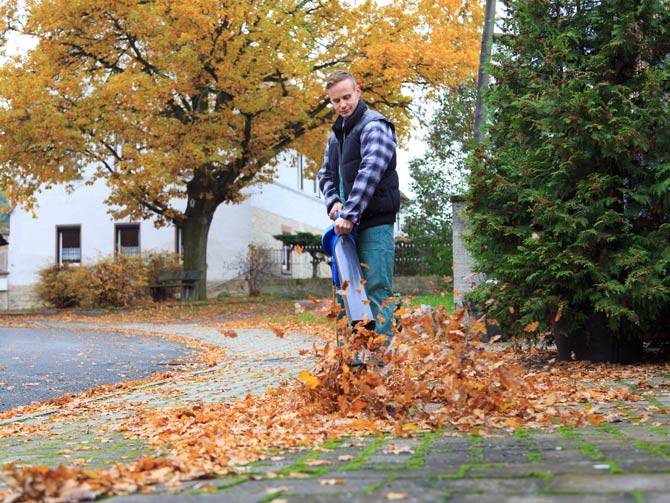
x=39 y=364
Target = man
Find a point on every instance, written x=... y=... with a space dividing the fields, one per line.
x=360 y=185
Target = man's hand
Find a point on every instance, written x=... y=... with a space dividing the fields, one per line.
x=336 y=208
x=343 y=226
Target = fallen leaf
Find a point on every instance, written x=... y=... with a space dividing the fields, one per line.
x=396 y=496
x=559 y=313
x=310 y=380
x=331 y=482
x=531 y=327
x=275 y=490
x=278 y=331
x=318 y=462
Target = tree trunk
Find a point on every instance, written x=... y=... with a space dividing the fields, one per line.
x=480 y=107
x=484 y=61
x=195 y=232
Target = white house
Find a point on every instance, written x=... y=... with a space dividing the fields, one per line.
x=75 y=227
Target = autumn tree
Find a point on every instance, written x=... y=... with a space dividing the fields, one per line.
x=179 y=106
x=569 y=202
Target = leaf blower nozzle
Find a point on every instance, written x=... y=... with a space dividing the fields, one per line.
x=348 y=276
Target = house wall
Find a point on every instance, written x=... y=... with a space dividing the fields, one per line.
x=4 y=250
x=268 y=210
x=285 y=207
x=33 y=239
x=4 y=294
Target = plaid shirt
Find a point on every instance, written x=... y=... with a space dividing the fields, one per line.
x=378 y=144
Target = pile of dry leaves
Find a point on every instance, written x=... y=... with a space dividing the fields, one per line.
x=436 y=373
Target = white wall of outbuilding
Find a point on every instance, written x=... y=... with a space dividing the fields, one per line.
x=269 y=209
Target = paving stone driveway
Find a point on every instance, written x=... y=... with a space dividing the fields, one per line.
x=626 y=461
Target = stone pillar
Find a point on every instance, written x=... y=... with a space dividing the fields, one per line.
x=464 y=278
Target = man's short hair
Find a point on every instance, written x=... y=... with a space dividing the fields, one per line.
x=338 y=76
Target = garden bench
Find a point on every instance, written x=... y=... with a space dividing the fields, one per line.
x=184 y=280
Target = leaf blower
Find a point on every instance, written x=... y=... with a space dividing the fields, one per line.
x=348 y=277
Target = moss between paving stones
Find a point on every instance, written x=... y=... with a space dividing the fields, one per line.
x=533 y=454
x=300 y=466
x=98 y=453
x=364 y=455
x=418 y=458
x=659 y=450
x=590 y=450
x=475 y=448
x=231 y=483
x=277 y=495
x=581 y=441
x=42 y=450
x=371 y=489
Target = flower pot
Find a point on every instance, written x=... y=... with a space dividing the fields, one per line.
x=595 y=342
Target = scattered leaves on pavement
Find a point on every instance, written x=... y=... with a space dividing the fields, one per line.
x=436 y=373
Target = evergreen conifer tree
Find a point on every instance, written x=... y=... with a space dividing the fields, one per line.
x=568 y=203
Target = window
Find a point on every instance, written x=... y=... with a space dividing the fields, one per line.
x=68 y=244
x=127 y=241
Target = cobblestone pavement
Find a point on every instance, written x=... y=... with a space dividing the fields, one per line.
x=626 y=461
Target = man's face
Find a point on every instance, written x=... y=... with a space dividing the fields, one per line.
x=344 y=96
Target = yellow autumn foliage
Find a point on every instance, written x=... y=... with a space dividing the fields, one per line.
x=173 y=101
x=159 y=94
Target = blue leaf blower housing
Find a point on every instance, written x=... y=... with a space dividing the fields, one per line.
x=348 y=276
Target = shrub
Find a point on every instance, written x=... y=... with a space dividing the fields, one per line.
x=56 y=287
x=158 y=262
x=569 y=202
x=114 y=281
x=254 y=266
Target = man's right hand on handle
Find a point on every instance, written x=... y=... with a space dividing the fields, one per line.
x=336 y=208
x=343 y=226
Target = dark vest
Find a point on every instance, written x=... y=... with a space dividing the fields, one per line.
x=345 y=144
